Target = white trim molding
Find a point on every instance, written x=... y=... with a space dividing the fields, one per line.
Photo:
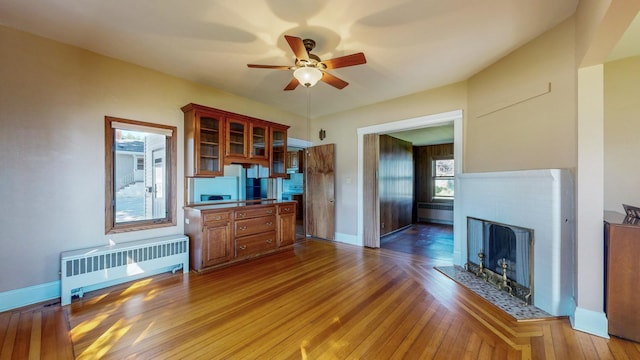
x=13 y=299
x=591 y=322
x=454 y=117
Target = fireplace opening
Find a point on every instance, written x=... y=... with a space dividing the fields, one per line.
x=503 y=255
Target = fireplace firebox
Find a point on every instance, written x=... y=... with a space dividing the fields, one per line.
x=502 y=255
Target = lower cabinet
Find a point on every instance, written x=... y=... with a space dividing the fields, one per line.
x=286 y=224
x=220 y=236
x=216 y=244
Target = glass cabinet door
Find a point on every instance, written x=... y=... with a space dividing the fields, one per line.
x=278 y=152
x=236 y=138
x=209 y=146
x=259 y=142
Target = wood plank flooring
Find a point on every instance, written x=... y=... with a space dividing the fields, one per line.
x=322 y=300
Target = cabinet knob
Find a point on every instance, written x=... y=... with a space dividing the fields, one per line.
x=269 y=211
x=243 y=228
x=270 y=241
x=243 y=247
x=269 y=223
x=287 y=209
x=242 y=214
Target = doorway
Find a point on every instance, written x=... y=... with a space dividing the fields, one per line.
x=366 y=224
x=294 y=186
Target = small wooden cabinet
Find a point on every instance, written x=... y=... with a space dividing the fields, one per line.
x=295 y=161
x=286 y=224
x=210 y=237
x=225 y=233
x=622 y=275
x=292 y=159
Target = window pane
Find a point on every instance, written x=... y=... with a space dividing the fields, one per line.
x=444 y=188
x=140 y=172
x=444 y=167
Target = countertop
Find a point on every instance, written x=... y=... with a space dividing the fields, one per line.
x=235 y=204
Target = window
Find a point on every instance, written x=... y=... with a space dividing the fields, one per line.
x=140 y=167
x=443 y=177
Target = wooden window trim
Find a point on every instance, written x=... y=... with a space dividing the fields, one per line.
x=171 y=158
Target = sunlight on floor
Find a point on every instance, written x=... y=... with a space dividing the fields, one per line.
x=137 y=285
x=108 y=339
x=84 y=327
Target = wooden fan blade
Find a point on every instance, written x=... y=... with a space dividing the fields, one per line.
x=292 y=85
x=277 y=67
x=333 y=81
x=298 y=48
x=344 y=61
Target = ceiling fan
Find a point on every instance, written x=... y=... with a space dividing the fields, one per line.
x=309 y=69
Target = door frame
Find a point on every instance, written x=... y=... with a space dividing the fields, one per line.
x=455 y=116
x=158 y=154
x=299 y=144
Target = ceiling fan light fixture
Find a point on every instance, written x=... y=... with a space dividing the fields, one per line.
x=307 y=76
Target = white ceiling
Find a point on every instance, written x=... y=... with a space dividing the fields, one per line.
x=427 y=136
x=410 y=45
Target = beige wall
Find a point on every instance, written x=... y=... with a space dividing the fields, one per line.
x=621 y=133
x=53 y=100
x=512 y=124
x=523 y=133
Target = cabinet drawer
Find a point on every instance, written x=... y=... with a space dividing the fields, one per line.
x=251 y=213
x=212 y=217
x=254 y=226
x=286 y=209
x=255 y=244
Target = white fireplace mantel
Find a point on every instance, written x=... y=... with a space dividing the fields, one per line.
x=541 y=200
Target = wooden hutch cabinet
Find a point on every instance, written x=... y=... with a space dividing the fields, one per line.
x=204 y=141
x=214 y=138
x=227 y=232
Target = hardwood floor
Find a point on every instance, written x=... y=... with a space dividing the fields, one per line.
x=322 y=300
x=434 y=241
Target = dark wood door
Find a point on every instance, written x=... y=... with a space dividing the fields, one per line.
x=320 y=200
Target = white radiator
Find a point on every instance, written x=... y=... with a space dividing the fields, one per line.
x=92 y=266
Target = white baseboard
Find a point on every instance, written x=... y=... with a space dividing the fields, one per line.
x=13 y=299
x=348 y=239
x=589 y=321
